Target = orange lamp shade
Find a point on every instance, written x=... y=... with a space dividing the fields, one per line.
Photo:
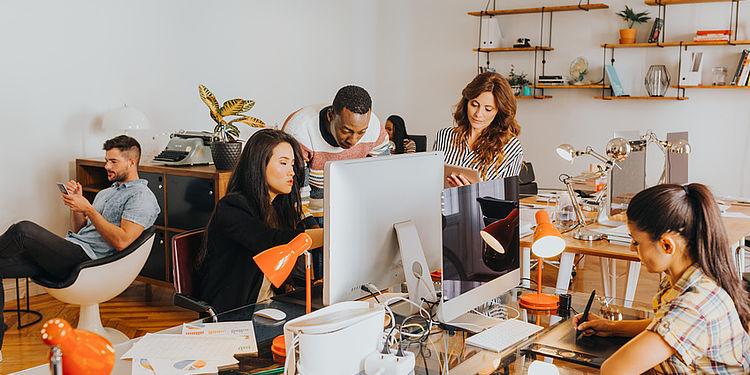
x=83 y=352
x=500 y=234
x=277 y=262
x=547 y=239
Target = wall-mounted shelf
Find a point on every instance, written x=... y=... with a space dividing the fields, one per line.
x=641 y=97
x=677 y=44
x=678 y=2
x=533 y=97
x=563 y=8
x=570 y=87
x=713 y=87
x=537 y=48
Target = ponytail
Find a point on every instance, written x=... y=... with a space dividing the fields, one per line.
x=692 y=212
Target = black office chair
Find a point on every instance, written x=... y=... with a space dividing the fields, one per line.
x=526 y=183
x=420 y=141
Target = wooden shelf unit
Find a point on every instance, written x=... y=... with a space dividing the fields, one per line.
x=641 y=97
x=679 y=2
x=535 y=48
x=570 y=87
x=533 y=97
x=713 y=87
x=677 y=44
x=563 y=8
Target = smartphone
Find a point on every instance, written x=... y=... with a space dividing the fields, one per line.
x=62 y=188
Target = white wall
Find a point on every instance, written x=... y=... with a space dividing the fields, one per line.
x=65 y=63
x=425 y=58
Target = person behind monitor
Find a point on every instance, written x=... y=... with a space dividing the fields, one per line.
x=486 y=134
x=399 y=142
x=702 y=311
x=118 y=215
x=262 y=209
x=345 y=130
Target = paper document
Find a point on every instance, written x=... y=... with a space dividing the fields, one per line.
x=242 y=329
x=205 y=348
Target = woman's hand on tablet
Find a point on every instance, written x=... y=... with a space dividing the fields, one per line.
x=458 y=180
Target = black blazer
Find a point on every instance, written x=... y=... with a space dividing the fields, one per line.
x=229 y=278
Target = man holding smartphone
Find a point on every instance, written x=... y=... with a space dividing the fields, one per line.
x=118 y=215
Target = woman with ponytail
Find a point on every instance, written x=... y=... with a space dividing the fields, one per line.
x=702 y=311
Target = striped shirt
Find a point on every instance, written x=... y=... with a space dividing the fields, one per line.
x=409 y=146
x=697 y=318
x=319 y=146
x=512 y=158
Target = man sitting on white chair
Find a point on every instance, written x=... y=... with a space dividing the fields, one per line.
x=117 y=217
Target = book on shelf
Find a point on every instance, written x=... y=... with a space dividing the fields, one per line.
x=614 y=81
x=656 y=30
x=712 y=35
x=743 y=70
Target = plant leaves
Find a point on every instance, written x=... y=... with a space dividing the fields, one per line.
x=248 y=105
x=217 y=118
x=232 y=107
x=235 y=133
x=252 y=121
x=208 y=97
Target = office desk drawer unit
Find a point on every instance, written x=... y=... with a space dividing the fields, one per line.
x=186 y=195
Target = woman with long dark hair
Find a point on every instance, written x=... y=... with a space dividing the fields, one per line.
x=702 y=310
x=399 y=139
x=485 y=137
x=261 y=209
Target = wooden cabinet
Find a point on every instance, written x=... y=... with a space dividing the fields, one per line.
x=186 y=196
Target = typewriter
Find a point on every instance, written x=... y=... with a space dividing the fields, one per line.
x=187 y=148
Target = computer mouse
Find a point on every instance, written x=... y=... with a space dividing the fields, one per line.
x=270 y=313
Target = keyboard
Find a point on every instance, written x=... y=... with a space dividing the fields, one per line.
x=170 y=155
x=503 y=335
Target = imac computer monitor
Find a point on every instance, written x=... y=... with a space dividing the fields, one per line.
x=473 y=272
x=364 y=200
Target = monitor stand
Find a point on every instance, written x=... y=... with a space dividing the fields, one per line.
x=416 y=270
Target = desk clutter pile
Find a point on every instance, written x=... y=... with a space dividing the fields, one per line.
x=618 y=235
x=202 y=348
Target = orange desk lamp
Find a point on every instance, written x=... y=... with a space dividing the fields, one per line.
x=278 y=262
x=547 y=243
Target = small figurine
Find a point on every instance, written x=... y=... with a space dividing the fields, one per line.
x=522 y=42
x=83 y=352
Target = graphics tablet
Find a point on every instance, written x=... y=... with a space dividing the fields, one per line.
x=470 y=174
x=560 y=342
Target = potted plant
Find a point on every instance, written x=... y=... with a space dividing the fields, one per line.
x=517 y=81
x=226 y=149
x=627 y=36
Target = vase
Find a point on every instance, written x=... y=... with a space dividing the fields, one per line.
x=83 y=352
x=627 y=36
x=657 y=80
x=225 y=154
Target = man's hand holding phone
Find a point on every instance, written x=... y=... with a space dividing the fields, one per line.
x=75 y=199
x=74 y=188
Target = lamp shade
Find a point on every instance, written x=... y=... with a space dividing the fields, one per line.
x=566 y=151
x=501 y=233
x=277 y=262
x=680 y=147
x=125 y=118
x=547 y=239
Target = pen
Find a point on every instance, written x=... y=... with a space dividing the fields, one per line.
x=585 y=315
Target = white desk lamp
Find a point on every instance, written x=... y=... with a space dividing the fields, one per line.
x=125 y=118
x=617 y=149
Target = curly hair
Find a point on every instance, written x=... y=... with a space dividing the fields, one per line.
x=489 y=145
x=353 y=98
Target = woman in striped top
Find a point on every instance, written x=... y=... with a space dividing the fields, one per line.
x=399 y=141
x=485 y=138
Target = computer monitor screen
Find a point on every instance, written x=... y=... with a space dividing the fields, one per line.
x=474 y=272
x=364 y=198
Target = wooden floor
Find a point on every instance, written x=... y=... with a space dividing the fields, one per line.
x=135 y=316
x=129 y=312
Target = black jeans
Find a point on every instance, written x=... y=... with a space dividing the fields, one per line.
x=27 y=250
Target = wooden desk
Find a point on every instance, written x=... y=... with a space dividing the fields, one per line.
x=737 y=228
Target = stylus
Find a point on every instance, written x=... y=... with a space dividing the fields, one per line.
x=585 y=315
